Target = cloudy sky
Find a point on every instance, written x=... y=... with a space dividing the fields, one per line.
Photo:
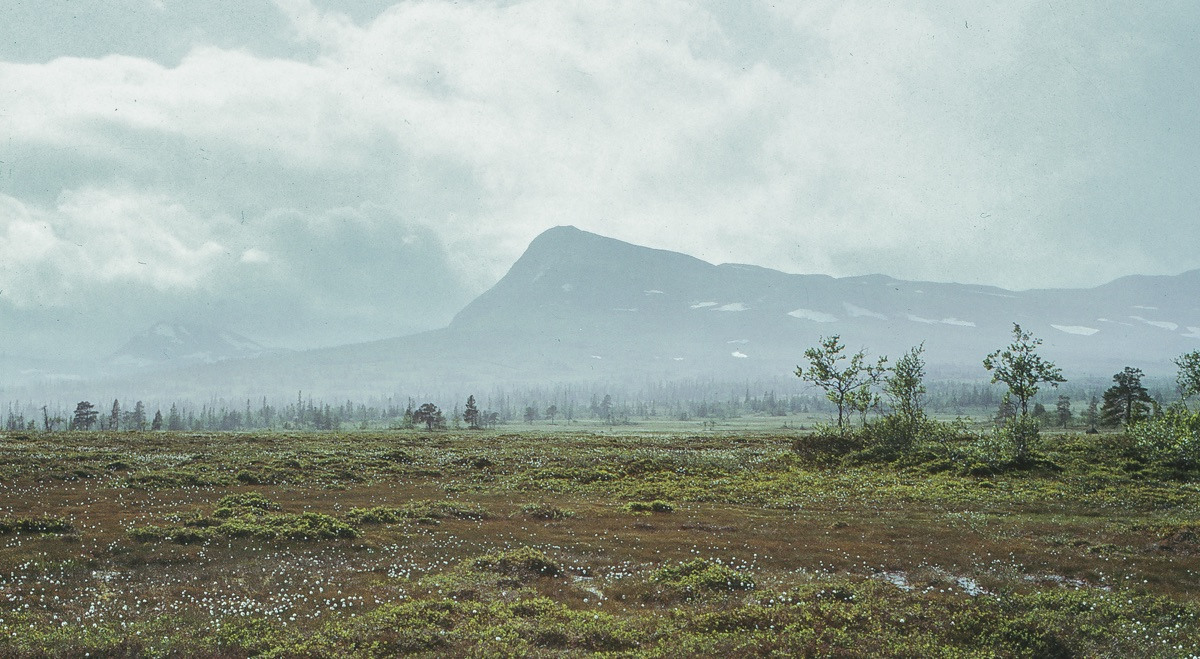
x=311 y=172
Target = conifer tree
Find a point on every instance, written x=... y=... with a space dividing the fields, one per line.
x=1127 y=401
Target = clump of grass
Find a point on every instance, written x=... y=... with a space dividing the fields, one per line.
x=422 y=512
x=249 y=515
x=240 y=504
x=545 y=511
x=700 y=575
x=174 y=478
x=525 y=562
x=656 y=506
x=35 y=525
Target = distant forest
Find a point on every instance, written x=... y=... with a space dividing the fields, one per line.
x=593 y=404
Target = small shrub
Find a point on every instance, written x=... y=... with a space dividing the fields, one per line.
x=656 y=506
x=826 y=445
x=545 y=511
x=523 y=562
x=699 y=575
x=249 y=501
x=1172 y=439
x=36 y=525
x=422 y=512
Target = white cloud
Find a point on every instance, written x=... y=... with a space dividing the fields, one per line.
x=93 y=238
x=913 y=138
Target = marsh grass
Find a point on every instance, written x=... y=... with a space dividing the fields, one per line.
x=494 y=544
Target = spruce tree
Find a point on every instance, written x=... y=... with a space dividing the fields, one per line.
x=471 y=414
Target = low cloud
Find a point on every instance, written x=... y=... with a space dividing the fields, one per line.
x=385 y=166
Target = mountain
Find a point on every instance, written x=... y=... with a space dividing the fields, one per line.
x=579 y=307
x=180 y=344
x=576 y=296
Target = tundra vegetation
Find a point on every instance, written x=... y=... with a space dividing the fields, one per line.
x=902 y=536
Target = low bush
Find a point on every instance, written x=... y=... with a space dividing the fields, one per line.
x=701 y=575
x=656 y=506
x=35 y=525
x=523 y=562
x=422 y=512
x=545 y=511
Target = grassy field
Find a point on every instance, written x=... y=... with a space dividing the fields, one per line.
x=557 y=541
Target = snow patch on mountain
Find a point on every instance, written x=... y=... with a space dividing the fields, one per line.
x=815 y=316
x=1193 y=333
x=859 y=312
x=703 y=305
x=733 y=306
x=1076 y=329
x=1167 y=325
x=945 y=321
x=739 y=354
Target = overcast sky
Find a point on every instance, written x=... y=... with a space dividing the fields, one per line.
x=318 y=172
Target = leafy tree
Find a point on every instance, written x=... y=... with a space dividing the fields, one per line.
x=848 y=388
x=905 y=386
x=530 y=414
x=157 y=423
x=1188 y=375
x=1063 y=409
x=1021 y=369
x=551 y=412
x=430 y=415
x=85 y=416
x=1127 y=401
x=471 y=414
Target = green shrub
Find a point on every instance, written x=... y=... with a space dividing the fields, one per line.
x=523 y=562
x=656 y=506
x=826 y=445
x=699 y=575
x=248 y=502
x=545 y=511
x=36 y=525
x=1173 y=438
x=423 y=512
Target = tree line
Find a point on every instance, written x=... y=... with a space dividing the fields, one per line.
x=856 y=385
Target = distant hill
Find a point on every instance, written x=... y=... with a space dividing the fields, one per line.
x=176 y=344
x=581 y=307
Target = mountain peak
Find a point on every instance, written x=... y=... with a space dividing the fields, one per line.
x=178 y=342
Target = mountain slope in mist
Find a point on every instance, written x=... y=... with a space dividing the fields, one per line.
x=581 y=307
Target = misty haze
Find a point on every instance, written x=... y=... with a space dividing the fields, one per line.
x=530 y=328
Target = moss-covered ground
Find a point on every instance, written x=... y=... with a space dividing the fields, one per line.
x=568 y=543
